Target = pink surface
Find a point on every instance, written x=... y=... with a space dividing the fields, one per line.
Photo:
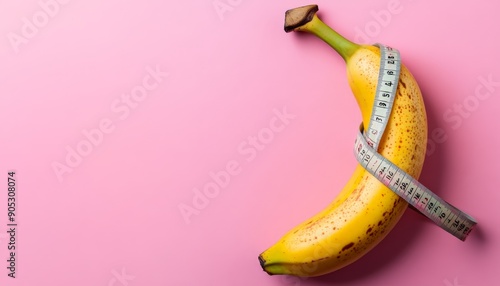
x=165 y=99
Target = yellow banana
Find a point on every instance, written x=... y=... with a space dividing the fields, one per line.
x=365 y=210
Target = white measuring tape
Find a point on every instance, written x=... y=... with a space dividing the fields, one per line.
x=438 y=210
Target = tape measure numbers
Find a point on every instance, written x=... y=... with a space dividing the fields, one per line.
x=432 y=206
x=388 y=78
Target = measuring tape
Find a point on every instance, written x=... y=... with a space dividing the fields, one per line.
x=388 y=78
x=438 y=210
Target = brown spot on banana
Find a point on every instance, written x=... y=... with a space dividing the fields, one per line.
x=403 y=84
x=347 y=246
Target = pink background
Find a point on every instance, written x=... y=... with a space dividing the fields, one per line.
x=112 y=217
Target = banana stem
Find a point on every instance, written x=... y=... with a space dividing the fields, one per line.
x=305 y=19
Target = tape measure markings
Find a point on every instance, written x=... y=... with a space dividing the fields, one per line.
x=388 y=79
x=442 y=213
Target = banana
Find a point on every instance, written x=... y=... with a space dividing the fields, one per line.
x=365 y=211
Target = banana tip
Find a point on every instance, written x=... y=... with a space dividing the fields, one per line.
x=262 y=262
x=297 y=17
